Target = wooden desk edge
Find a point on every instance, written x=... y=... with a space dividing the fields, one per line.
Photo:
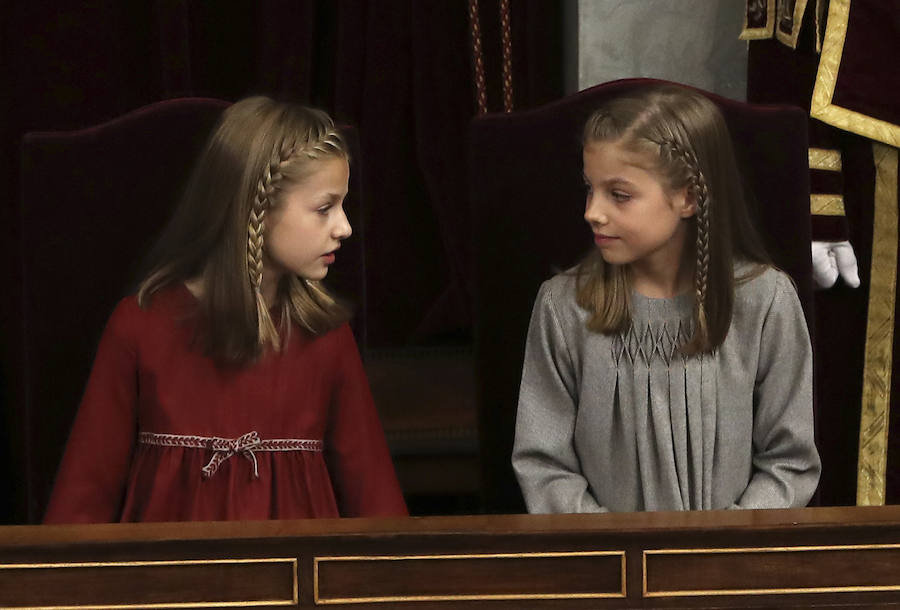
x=618 y=523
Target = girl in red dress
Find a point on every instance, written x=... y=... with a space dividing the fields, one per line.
x=230 y=385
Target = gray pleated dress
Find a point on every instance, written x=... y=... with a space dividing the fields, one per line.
x=624 y=422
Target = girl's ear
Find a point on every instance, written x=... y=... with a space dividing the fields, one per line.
x=685 y=202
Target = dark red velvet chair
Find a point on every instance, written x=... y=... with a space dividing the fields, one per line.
x=92 y=202
x=528 y=199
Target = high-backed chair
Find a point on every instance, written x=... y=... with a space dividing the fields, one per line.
x=92 y=202
x=528 y=201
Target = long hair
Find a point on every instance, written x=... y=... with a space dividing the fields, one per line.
x=686 y=140
x=258 y=150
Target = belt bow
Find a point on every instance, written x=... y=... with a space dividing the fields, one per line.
x=246 y=445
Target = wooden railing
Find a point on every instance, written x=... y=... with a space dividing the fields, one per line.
x=845 y=557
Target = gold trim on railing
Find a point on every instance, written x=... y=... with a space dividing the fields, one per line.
x=292 y=561
x=772 y=591
x=467 y=597
x=826 y=205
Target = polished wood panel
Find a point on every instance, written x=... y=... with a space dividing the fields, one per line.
x=405 y=578
x=822 y=557
x=161 y=584
x=756 y=571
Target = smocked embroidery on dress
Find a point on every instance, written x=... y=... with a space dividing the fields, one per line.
x=644 y=345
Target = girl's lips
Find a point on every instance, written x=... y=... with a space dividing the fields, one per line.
x=602 y=240
x=328 y=258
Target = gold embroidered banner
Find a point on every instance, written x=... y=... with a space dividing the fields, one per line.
x=789 y=21
x=826 y=205
x=833 y=48
x=875 y=412
x=825 y=159
x=821 y=11
x=759 y=20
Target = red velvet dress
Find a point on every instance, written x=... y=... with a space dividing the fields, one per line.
x=146 y=378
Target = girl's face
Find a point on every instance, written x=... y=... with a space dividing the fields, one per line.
x=305 y=228
x=635 y=218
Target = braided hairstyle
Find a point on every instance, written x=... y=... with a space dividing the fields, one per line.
x=686 y=140
x=265 y=193
x=698 y=189
x=259 y=149
x=282 y=170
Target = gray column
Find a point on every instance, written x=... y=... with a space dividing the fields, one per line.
x=688 y=41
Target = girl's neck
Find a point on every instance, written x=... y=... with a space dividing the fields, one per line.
x=269 y=288
x=195 y=286
x=662 y=281
x=660 y=288
x=271 y=277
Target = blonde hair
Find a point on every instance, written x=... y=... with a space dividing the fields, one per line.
x=259 y=149
x=685 y=138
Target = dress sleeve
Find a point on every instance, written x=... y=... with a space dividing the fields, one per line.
x=544 y=457
x=91 y=480
x=786 y=464
x=356 y=452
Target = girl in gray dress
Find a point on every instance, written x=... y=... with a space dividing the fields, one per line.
x=672 y=368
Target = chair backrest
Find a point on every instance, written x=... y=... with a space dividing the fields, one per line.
x=528 y=201
x=92 y=202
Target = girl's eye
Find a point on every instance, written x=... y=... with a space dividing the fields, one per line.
x=324 y=209
x=620 y=196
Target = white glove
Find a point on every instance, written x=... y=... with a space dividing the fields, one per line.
x=830 y=258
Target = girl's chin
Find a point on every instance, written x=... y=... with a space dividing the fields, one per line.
x=612 y=259
x=314 y=275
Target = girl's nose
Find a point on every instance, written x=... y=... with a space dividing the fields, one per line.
x=343 y=230
x=594 y=213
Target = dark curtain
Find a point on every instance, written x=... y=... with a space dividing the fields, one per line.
x=399 y=70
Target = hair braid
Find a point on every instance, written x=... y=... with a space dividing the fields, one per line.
x=328 y=142
x=262 y=200
x=325 y=142
x=698 y=187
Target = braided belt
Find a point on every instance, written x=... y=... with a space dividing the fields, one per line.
x=247 y=445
